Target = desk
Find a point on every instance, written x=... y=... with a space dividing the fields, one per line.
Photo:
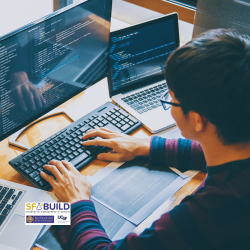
x=78 y=106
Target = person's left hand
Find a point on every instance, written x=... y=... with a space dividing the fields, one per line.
x=69 y=186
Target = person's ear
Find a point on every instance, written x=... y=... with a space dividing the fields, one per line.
x=200 y=122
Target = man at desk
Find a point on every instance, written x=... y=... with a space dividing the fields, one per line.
x=209 y=83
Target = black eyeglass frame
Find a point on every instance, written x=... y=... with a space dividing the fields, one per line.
x=170 y=103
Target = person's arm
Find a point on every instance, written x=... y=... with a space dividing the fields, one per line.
x=182 y=154
x=175 y=230
x=86 y=232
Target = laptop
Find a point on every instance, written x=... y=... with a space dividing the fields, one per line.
x=14 y=235
x=136 y=65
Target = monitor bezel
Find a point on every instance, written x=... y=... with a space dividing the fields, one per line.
x=33 y=24
x=152 y=79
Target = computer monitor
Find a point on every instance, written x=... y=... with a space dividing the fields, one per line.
x=51 y=60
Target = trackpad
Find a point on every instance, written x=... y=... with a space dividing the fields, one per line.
x=16 y=235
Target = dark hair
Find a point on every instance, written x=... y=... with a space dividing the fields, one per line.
x=210 y=75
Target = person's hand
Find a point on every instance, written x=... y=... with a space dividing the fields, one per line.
x=69 y=186
x=125 y=147
x=25 y=93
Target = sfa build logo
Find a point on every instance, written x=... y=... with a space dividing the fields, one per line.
x=47 y=213
x=36 y=206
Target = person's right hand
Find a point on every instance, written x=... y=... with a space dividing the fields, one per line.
x=25 y=93
x=125 y=147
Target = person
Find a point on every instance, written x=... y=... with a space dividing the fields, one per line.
x=209 y=83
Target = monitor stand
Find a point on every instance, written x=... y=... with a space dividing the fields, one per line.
x=12 y=140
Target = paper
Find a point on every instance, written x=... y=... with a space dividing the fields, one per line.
x=49 y=240
x=135 y=189
x=115 y=226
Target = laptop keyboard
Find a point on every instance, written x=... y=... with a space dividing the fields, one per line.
x=8 y=199
x=146 y=100
x=67 y=143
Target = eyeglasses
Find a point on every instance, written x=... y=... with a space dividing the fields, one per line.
x=166 y=100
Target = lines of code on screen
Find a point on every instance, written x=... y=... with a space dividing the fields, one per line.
x=47 y=63
x=140 y=54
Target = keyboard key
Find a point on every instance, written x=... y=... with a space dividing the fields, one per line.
x=2 y=206
x=37 y=158
x=35 y=174
x=44 y=161
x=75 y=153
x=9 y=194
x=40 y=163
x=28 y=170
x=85 y=128
x=60 y=158
x=4 y=191
x=68 y=151
x=32 y=161
x=139 y=107
x=5 y=212
x=64 y=154
x=27 y=164
x=125 y=127
x=58 y=151
x=35 y=166
x=133 y=119
x=23 y=167
x=17 y=164
x=79 y=158
x=104 y=123
x=4 y=201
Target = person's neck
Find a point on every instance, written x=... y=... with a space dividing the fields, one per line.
x=217 y=154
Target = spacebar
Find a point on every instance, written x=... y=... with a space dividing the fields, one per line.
x=79 y=159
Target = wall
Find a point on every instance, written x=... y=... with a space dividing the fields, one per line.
x=17 y=13
x=165 y=7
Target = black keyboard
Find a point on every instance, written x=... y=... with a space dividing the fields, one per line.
x=66 y=144
x=146 y=100
x=8 y=199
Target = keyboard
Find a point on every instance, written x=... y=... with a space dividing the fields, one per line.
x=146 y=100
x=9 y=197
x=66 y=144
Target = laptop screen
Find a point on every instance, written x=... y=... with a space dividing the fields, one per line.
x=138 y=54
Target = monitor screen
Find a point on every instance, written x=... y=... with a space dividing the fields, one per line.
x=138 y=54
x=47 y=62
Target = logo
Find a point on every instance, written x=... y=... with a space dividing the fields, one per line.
x=62 y=217
x=39 y=206
x=29 y=219
x=47 y=206
x=47 y=213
